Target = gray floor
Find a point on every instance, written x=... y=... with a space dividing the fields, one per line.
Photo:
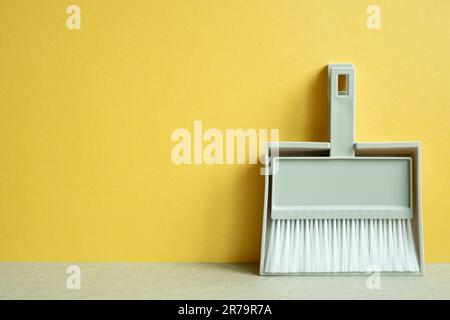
x=207 y=281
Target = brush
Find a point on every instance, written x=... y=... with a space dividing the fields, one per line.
x=340 y=245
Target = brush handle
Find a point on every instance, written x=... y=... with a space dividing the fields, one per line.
x=341 y=97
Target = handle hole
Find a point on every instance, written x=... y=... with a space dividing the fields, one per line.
x=342 y=87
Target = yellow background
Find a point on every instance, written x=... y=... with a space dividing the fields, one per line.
x=86 y=116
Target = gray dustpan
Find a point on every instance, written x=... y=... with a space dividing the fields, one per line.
x=342 y=207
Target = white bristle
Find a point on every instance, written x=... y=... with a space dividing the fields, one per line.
x=340 y=245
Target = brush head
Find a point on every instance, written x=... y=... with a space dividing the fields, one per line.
x=344 y=245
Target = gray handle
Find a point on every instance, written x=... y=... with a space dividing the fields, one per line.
x=341 y=97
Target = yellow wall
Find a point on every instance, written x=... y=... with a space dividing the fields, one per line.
x=86 y=116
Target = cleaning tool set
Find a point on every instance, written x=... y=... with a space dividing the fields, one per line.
x=342 y=207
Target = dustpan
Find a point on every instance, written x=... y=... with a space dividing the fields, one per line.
x=312 y=187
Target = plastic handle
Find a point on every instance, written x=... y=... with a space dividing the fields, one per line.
x=341 y=96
